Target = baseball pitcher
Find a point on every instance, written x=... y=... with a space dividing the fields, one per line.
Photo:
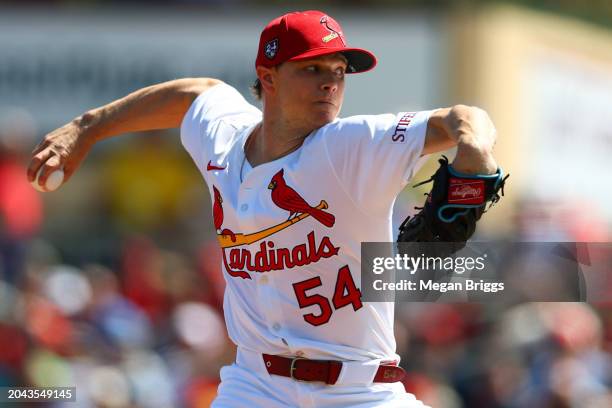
x=295 y=189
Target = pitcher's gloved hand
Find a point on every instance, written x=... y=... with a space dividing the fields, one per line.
x=454 y=205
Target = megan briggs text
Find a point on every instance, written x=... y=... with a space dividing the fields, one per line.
x=467 y=285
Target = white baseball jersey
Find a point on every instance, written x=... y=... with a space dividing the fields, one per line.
x=291 y=230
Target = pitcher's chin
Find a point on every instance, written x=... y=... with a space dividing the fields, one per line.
x=325 y=116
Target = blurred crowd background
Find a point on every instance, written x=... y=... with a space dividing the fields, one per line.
x=113 y=283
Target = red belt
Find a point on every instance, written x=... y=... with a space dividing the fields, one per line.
x=326 y=371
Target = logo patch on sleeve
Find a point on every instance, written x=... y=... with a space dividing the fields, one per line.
x=466 y=191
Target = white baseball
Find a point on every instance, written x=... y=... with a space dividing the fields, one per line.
x=54 y=180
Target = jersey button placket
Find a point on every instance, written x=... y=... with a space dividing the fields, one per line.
x=266 y=291
x=245 y=208
x=268 y=301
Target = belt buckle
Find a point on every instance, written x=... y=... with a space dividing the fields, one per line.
x=292 y=368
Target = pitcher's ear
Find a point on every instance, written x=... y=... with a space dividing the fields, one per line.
x=267 y=79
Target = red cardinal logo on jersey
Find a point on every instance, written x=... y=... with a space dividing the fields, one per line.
x=218 y=214
x=210 y=166
x=288 y=199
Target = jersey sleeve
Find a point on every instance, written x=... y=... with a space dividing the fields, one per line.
x=213 y=120
x=374 y=156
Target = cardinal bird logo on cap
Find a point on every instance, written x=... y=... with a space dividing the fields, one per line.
x=333 y=32
x=271 y=48
x=288 y=199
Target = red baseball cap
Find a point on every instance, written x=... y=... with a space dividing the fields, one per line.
x=307 y=34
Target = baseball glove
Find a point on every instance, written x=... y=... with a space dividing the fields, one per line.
x=453 y=206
